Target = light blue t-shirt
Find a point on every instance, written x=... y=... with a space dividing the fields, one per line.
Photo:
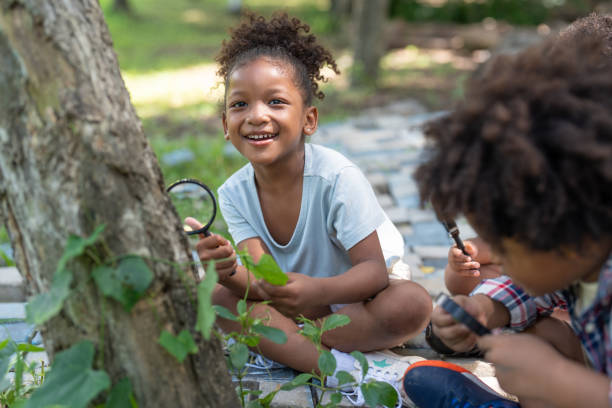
x=338 y=210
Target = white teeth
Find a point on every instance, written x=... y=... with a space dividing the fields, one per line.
x=257 y=137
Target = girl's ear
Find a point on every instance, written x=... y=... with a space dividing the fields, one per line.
x=224 y=120
x=311 y=120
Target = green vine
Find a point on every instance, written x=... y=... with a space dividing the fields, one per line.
x=125 y=279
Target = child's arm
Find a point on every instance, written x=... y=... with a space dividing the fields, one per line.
x=367 y=277
x=495 y=303
x=533 y=370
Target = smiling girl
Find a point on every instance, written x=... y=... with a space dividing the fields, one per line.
x=306 y=205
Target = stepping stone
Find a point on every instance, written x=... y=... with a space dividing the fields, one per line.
x=385 y=201
x=428 y=233
x=432 y=251
x=379 y=182
x=178 y=156
x=398 y=215
x=11 y=285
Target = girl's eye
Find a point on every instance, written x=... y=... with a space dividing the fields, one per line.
x=238 y=104
x=275 y=102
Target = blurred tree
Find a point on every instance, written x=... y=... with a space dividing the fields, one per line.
x=369 y=18
x=340 y=8
x=72 y=157
x=122 y=6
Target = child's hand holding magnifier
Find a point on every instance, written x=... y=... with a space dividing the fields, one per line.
x=190 y=196
x=215 y=248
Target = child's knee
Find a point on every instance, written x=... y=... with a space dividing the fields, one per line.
x=411 y=307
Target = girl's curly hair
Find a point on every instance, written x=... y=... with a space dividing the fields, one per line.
x=280 y=38
x=528 y=154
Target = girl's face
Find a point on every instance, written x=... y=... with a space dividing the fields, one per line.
x=265 y=117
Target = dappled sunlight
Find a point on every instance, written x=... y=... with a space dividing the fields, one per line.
x=194 y=16
x=153 y=93
x=420 y=58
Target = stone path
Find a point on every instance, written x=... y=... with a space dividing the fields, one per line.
x=386 y=143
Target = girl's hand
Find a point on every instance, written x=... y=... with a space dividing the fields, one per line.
x=456 y=335
x=293 y=298
x=525 y=365
x=215 y=248
x=461 y=264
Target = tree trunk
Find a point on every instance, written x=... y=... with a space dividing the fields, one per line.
x=73 y=156
x=369 y=18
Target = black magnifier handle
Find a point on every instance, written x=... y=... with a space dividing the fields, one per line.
x=453 y=231
x=459 y=314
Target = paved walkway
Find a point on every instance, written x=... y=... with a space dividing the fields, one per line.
x=386 y=143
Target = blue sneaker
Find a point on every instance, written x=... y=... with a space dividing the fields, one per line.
x=439 y=384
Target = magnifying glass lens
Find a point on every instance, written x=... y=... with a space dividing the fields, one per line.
x=190 y=199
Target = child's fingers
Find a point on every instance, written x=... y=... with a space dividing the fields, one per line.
x=456 y=256
x=466 y=266
x=470 y=248
x=193 y=223
x=226 y=265
x=468 y=272
x=207 y=250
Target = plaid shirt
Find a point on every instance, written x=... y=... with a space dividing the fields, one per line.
x=593 y=326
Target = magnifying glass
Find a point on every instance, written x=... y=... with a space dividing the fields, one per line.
x=192 y=198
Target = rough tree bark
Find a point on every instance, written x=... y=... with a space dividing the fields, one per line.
x=73 y=156
x=369 y=18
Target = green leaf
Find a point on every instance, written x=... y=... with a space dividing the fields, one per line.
x=265 y=401
x=311 y=331
x=7 y=350
x=250 y=341
x=127 y=283
x=335 y=398
x=121 y=396
x=298 y=381
x=241 y=307
x=327 y=363
x=334 y=321
x=379 y=393
x=344 y=377
x=268 y=270
x=225 y=313
x=362 y=361
x=29 y=348
x=206 y=314
x=178 y=346
x=271 y=333
x=71 y=381
x=76 y=245
x=8 y=261
x=44 y=306
x=239 y=355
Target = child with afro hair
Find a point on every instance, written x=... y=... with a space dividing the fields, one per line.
x=527 y=158
x=304 y=204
